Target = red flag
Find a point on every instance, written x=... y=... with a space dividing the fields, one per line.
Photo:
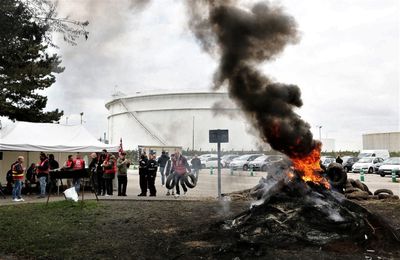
x=121 y=150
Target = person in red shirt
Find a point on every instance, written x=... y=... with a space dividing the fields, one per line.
x=78 y=165
x=180 y=167
x=110 y=168
x=43 y=169
x=18 y=177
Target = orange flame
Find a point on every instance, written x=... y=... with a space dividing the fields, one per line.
x=309 y=167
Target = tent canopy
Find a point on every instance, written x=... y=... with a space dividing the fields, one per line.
x=48 y=137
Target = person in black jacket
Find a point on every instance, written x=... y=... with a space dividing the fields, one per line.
x=339 y=160
x=101 y=187
x=196 y=165
x=162 y=161
x=143 y=175
x=151 y=175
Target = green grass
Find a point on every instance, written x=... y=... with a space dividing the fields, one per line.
x=40 y=231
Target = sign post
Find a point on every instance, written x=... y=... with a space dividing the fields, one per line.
x=219 y=136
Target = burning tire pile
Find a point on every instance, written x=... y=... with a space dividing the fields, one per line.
x=297 y=204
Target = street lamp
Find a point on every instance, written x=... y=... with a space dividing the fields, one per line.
x=319 y=129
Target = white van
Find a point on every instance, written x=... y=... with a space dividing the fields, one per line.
x=374 y=153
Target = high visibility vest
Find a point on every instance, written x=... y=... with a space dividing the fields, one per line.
x=179 y=166
x=78 y=164
x=111 y=170
x=68 y=163
x=18 y=175
x=46 y=171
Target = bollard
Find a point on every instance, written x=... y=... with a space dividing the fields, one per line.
x=231 y=171
x=251 y=171
x=211 y=170
x=362 y=176
x=394 y=176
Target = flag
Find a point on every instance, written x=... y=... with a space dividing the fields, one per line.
x=121 y=150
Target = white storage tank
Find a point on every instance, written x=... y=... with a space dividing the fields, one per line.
x=177 y=119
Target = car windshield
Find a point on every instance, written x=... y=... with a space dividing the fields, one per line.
x=364 y=155
x=366 y=160
x=260 y=159
x=243 y=157
x=392 y=161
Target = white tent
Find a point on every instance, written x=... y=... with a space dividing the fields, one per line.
x=29 y=139
x=47 y=137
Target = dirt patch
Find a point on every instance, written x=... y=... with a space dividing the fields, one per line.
x=146 y=230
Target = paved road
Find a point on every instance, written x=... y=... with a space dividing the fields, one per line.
x=207 y=186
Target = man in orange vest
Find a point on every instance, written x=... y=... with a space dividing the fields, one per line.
x=78 y=165
x=43 y=169
x=18 y=176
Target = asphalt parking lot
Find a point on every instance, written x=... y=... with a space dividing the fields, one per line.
x=207 y=186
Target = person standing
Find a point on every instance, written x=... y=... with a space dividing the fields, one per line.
x=53 y=163
x=79 y=166
x=180 y=166
x=69 y=164
x=168 y=171
x=30 y=178
x=196 y=165
x=18 y=177
x=143 y=175
x=122 y=175
x=162 y=161
x=43 y=169
x=93 y=171
x=110 y=168
x=339 y=160
x=151 y=175
x=101 y=188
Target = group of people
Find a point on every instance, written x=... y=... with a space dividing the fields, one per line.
x=176 y=164
x=104 y=168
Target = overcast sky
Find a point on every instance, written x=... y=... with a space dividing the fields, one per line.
x=346 y=63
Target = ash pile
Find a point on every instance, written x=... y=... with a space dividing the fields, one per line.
x=292 y=212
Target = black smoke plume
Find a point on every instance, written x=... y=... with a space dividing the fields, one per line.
x=242 y=39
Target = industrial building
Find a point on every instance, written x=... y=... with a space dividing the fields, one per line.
x=181 y=118
x=388 y=141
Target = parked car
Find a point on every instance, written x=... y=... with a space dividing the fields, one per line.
x=242 y=162
x=263 y=162
x=389 y=165
x=212 y=162
x=326 y=160
x=368 y=164
x=203 y=158
x=348 y=162
x=374 y=153
x=226 y=159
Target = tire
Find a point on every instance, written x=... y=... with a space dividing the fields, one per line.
x=245 y=167
x=190 y=180
x=336 y=175
x=371 y=170
x=346 y=169
x=170 y=182
x=380 y=191
x=264 y=168
x=382 y=174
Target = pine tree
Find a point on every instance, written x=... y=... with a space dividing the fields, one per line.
x=26 y=67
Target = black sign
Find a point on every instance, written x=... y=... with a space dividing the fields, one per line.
x=218 y=136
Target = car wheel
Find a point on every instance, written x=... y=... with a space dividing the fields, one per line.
x=245 y=167
x=382 y=174
x=370 y=170
x=346 y=169
x=264 y=168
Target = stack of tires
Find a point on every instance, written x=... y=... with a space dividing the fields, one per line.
x=188 y=179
